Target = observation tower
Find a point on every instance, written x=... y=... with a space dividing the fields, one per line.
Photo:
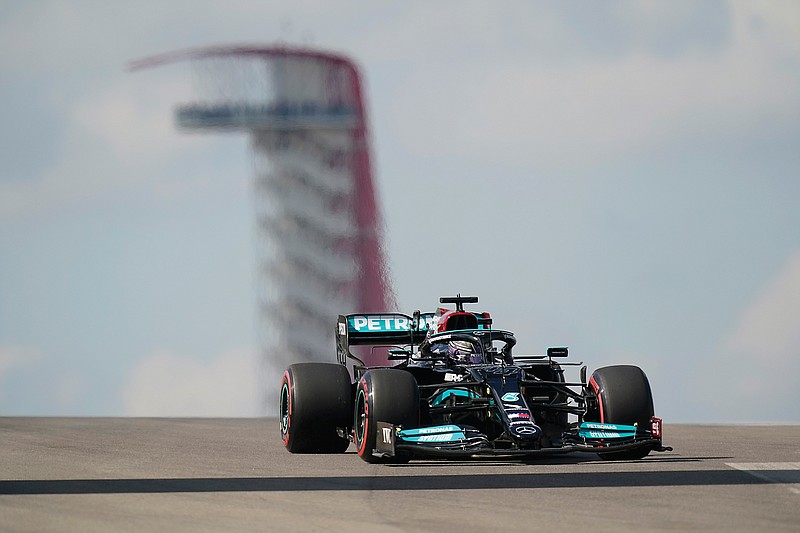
x=318 y=224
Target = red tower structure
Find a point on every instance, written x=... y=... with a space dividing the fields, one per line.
x=318 y=220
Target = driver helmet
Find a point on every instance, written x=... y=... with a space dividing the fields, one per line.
x=464 y=352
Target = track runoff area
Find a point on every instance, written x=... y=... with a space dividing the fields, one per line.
x=78 y=474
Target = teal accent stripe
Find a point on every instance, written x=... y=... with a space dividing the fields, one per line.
x=600 y=426
x=594 y=434
x=599 y=430
x=448 y=433
x=442 y=396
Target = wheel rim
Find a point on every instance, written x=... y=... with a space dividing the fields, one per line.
x=284 y=410
x=361 y=417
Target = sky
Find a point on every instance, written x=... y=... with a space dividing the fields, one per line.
x=622 y=178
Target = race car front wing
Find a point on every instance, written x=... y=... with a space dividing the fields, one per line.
x=454 y=440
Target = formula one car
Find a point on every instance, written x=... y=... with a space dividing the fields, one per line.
x=457 y=391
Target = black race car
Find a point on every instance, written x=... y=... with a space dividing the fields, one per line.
x=458 y=391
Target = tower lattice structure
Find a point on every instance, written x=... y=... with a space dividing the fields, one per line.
x=318 y=223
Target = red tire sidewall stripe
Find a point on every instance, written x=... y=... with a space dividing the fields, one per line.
x=596 y=388
x=363 y=444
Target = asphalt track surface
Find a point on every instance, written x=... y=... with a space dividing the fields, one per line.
x=101 y=474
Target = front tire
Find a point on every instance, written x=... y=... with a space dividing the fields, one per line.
x=623 y=397
x=383 y=395
x=315 y=402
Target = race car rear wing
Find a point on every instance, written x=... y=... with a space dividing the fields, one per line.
x=383 y=329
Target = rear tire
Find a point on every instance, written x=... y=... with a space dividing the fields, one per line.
x=315 y=400
x=383 y=395
x=623 y=397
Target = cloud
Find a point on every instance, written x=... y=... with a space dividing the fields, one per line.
x=63 y=393
x=751 y=376
x=69 y=390
x=165 y=384
x=534 y=109
x=118 y=137
x=133 y=117
x=496 y=86
x=768 y=331
x=12 y=357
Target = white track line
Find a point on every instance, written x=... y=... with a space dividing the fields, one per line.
x=783 y=473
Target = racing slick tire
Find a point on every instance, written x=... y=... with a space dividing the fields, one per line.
x=623 y=397
x=315 y=402
x=383 y=395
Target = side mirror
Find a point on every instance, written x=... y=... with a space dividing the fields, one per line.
x=557 y=352
x=398 y=353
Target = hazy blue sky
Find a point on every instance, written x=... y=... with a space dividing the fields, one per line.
x=619 y=177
